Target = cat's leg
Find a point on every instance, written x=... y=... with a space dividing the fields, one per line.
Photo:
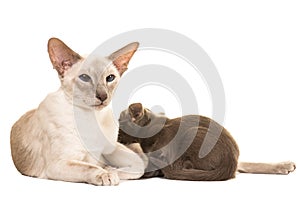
x=266 y=168
x=128 y=163
x=136 y=147
x=79 y=171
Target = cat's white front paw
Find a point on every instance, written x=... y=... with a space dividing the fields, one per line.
x=286 y=167
x=136 y=147
x=107 y=179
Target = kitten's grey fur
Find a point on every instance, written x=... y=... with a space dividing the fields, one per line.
x=153 y=132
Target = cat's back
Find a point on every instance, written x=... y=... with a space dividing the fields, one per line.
x=25 y=145
x=21 y=130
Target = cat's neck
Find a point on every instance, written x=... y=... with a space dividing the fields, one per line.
x=58 y=112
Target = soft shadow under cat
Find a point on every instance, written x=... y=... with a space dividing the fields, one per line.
x=191 y=147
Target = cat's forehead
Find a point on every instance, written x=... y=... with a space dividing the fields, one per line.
x=96 y=63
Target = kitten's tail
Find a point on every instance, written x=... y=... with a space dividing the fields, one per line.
x=266 y=168
x=225 y=173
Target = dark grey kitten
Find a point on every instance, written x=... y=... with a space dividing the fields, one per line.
x=172 y=147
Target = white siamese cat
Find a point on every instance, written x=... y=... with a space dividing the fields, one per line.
x=46 y=143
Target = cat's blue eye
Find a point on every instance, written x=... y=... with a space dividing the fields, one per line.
x=110 y=78
x=85 y=77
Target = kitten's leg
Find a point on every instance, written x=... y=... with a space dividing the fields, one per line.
x=266 y=168
x=128 y=163
x=79 y=171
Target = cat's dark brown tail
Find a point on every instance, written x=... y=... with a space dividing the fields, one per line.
x=266 y=168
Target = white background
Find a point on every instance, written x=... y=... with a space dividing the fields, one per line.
x=255 y=46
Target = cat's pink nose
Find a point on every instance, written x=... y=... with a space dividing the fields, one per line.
x=102 y=96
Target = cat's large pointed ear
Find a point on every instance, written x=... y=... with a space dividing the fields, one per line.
x=122 y=57
x=61 y=56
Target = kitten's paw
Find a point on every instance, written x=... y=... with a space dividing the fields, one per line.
x=107 y=179
x=286 y=167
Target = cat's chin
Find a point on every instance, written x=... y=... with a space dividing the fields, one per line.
x=91 y=107
x=99 y=107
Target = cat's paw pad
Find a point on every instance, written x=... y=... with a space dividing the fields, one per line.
x=286 y=167
x=108 y=179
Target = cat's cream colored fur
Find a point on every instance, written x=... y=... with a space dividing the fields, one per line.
x=45 y=142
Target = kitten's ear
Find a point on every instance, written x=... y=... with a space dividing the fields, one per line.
x=61 y=56
x=122 y=57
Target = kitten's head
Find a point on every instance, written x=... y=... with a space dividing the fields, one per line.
x=131 y=121
x=91 y=81
x=136 y=112
x=138 y=123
